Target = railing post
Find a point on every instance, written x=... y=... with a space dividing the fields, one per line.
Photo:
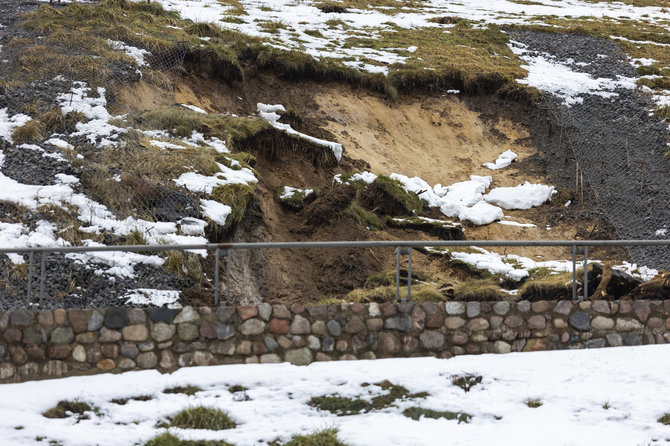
x=42 y=274
x=397 y=273
x=586 y=272
x=409 y=274
x=217 y=255
x=229 y=253
x=30 y=278
x=574 y=272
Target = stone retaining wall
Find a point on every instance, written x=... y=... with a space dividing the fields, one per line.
x=68 y=342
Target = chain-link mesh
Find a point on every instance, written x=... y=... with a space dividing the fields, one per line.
x=624 y=164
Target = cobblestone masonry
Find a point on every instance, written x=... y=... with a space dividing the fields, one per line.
x=67 y=342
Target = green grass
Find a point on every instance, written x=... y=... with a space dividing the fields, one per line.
x=606 y=405
x=416 y=413
x=202 y=418
x=168 y=439
x=343 y=406
x=326 y=437
x=364 y=218
x=123 y=401
x=65 y=408
x=387 y=196
x=478 y=290
x=339 y=405
x=186 y=390
x=665 y=419
x=236 y=196
x=533 y=403
x=237 y=388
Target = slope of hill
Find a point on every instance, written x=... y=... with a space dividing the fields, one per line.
x=184 y=122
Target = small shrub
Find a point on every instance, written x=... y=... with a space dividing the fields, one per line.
x=416 y=413
x=466 y=382
x=533 y=403
x=186 y=390
x=168 y=439
x=202 y=418
x=65 y=409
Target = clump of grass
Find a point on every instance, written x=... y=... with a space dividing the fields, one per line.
x=339 y=405
x=606 y=405
x=32 y=131
x=185 y=265
x=123 y=401
x=420 y=293
x=416 y=413
x=168 y=439
x=533 y=403
x=665 y=419
x=326 y=437
x=296 y=201
x=386 y=196
x=186 y=390
x=237 y=196
x=66 y=409
x=466 y=382
x=204 y=29
x=136 y=237
x=342 y=406
x=182 y=122
x=478 y=290
x=237 y=388
x=202 y=418
x=364 y=218
x=549 y=287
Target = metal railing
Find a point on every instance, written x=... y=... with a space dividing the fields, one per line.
x=401 y=247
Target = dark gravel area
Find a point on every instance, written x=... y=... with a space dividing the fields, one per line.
x=618 y=145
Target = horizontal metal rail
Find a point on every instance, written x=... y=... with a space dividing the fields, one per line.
x=331 y=245
x=401 y=247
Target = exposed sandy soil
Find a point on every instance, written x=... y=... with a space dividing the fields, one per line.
x=440 y=139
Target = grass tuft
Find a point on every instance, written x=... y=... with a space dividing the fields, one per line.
x=665 y=419
x=202 y=418
x=66 y=409
x=168 y=439
x=416 y=413
x=186 y=390
x=326 y=437
x=533 y=403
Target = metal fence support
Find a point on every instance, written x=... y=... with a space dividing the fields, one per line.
x=574 y=272
x=229 y=254
x=31 y=256
x=397 y=273
x=42 y=275
x=400 y=247
x=217 y=256
x=409 y=274
x=586 y=272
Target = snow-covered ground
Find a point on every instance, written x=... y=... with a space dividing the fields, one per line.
x=610 y=396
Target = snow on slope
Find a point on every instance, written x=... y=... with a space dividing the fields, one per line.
x=306 y=28
x=611 y=396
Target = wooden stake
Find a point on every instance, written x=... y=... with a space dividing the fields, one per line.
x=577 y=178
x=627 y=153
